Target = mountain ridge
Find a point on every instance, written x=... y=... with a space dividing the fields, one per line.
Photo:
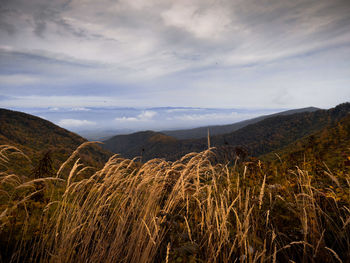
x=258 y=138
x=201 y=132
x=329 y=145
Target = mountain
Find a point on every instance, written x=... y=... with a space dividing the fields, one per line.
x=279 y=131
x=201 y=132
x=330 y=145
x=259 y=138
x=140 y=144
x=35 y=137
x=102 y=135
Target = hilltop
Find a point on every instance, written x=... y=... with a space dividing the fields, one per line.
x=140 y=144
x=35 y=137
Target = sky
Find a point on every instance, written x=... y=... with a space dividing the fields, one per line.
x=239 y=58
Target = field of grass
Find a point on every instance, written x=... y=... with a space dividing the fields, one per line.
x=190 y=210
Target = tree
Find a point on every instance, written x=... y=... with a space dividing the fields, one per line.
x=44 y=167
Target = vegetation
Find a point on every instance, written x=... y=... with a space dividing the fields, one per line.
x=201 y=132
x=329 y=146
x=191 y=210
x=260 y=138
x=36 y=137
x=218 y=205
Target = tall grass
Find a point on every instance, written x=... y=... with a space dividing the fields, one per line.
x=191 y=210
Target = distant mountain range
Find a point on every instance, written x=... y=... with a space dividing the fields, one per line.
x=201 y=132
x=101 y=134
x=283 y=133
x=258 y=138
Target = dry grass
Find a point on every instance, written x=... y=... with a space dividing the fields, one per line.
x=185 y=211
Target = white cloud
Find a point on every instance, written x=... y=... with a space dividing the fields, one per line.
x=74 y=123
x=146 y=115
x=54 y=109
x=208 y=23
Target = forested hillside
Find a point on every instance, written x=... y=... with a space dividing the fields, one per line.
x=201 y=132
x=327 y=147
x=38 y=138
x=258 y=139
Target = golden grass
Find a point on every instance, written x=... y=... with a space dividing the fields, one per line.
x=185 y=211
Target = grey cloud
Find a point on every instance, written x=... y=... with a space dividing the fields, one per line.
x=48 y=15
x=145 y=50
x=41 y=17
x=4 y=24
x=14 y=58
x=40 y=26
x=42 y=13
x=8 y=28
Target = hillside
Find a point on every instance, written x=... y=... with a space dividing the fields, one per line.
x=140 y=144
x=35 y=137
x=276 y=132
x=201 y=132
x=190 y=210
x=330 y=146
x=260 y=138
x=100 y=134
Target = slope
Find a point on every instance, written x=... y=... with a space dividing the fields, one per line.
x=330 y=146
x=259 y=138
x=201 y=132
x=35 y=137
x=140 y=144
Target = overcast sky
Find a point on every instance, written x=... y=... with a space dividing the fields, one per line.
x=193 y=53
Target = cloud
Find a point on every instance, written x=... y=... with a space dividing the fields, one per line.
x=54 y=109
x=151 y=52
x=74 y=123
x=19 y=80
x=126 y=119
x=202 y=22
x=63 y=101
x=146 y=115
